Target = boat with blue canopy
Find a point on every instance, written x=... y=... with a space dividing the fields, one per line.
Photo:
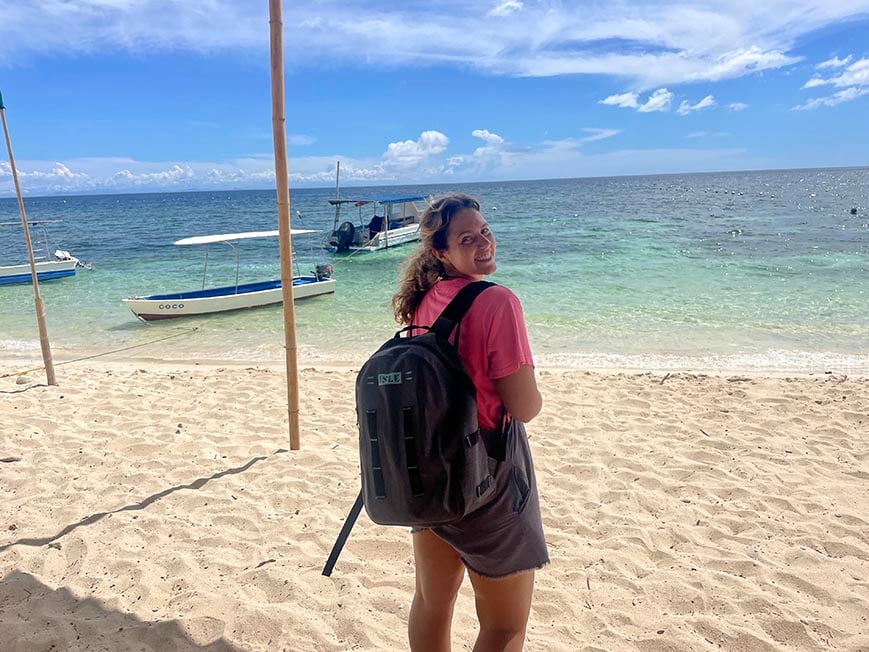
x=395 y=221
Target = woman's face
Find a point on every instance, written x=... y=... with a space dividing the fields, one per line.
x=470 y=251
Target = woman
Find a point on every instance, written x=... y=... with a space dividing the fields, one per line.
x=501 y=544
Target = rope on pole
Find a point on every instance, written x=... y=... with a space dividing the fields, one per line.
x=99 y=355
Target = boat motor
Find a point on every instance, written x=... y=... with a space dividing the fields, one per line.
x=323 y=271
x=344 y=235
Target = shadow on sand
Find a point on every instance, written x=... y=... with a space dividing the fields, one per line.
x=93 y=518
x=34 y=616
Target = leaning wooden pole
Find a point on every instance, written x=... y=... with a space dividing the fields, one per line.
x=40 y=308
x=276 y=39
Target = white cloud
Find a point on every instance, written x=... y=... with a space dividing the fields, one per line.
x=658 y=101
x=566 y=158
x=55 y=172
x=300 y=139
x=409 y=153
x=102 y=175
x=488 y=136
x=685 y=107
x=857 y=74
x=743 y=61
x=83 y=175
x=506 y=8
x=854 y=80
x=835 y=62
x=672 y=42
x=425 y=159
x=173 y=174
x=499 y=158
x=737 y=106
x=488 y=156
x=598 y=134
x=550 y=159
x=62 y=172
x=832 y=100
x=624 y=100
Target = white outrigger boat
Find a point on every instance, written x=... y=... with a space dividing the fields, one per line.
x=231 y=297
x=62 y=263
x=395 y=222
x=46 y=270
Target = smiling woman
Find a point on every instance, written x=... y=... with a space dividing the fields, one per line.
x=470 y=247
x=500 y=544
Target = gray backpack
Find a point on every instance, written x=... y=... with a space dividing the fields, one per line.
x=423 y=462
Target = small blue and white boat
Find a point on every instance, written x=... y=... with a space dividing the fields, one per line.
x=230 y=297
x=60 y=265
x=46 y=270
x=395 y=222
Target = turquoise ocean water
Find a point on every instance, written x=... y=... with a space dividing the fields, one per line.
x=728 y=271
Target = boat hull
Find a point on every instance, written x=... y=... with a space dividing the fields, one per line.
x=226 y=299
x=386 y=239
x=393 y=238
x=45 y=271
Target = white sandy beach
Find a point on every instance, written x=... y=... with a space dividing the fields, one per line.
x=158 y=507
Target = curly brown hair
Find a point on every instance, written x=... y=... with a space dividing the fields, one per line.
x=422 y=269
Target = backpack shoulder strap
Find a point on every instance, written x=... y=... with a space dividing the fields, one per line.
x=342 y=536
x=456 y=309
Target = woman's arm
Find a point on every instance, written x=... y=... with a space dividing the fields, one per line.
x=519 y=393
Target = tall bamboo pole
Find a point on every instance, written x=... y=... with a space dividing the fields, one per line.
x=282 y=182
x=40 y=308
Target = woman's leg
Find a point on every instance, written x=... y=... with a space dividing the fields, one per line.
x=439 y=574
x=503 y=606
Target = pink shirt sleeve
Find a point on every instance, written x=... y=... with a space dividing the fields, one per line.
x=494 y=346
x=493 y=342
x=505 y=334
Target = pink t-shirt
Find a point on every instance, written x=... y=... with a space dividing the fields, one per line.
x=493 y=342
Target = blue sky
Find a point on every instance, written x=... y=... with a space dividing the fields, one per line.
x=152 y=95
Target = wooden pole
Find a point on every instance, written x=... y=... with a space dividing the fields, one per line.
x=282 y=182
x=337 y=196
x=40 y=308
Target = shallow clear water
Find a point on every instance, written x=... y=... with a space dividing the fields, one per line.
x=754 y=270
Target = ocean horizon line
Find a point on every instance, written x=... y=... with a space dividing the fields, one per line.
x=350 y=184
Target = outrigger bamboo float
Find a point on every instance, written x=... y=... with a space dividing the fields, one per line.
x=231 y=297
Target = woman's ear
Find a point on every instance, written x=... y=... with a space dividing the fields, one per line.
x=437 y=253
